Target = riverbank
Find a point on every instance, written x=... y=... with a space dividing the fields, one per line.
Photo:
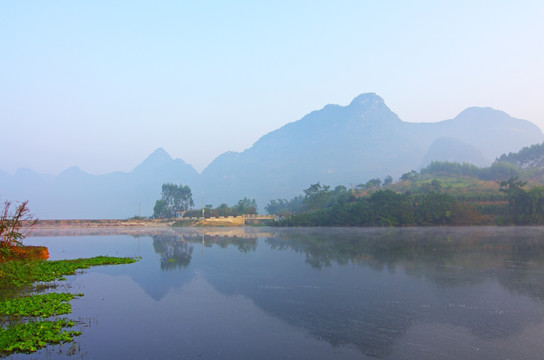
x=228 y=221
x=100 y=223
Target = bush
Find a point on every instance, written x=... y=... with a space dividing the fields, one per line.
x=14 y=224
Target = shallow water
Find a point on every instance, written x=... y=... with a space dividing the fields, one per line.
x=267 y=293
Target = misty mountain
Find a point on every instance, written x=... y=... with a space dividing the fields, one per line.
x=351 y=144
x=75 y=194
x=454 y=150
x=337 y=145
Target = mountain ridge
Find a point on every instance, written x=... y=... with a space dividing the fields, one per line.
x=335 y=145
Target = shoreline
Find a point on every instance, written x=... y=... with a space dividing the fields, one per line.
x=100 y=223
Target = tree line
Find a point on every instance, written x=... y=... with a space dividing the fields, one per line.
x=176 y=201
x=429 y=206
x=243 y=206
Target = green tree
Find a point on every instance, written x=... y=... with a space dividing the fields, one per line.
x=409 y=176
x=223 y=210
x=284 y=207
x=175 y=198
x=246 y=206
x=316 y=196
x=160 y=210
x=388 y=180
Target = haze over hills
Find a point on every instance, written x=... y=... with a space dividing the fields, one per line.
x=335 y=145
x=79 y=195
x=351 y=144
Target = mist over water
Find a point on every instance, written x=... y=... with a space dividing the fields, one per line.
x=448 y=293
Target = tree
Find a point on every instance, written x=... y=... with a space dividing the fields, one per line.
x=175 y=198
x=246 y=206
x=388 y=180
x=14 y=224
x=525 y=207
x=433 y=186
x=316 y=196
x=373 y=183
x=223 y=210
x=409 y=176
x=284 y=207
x=160 y=210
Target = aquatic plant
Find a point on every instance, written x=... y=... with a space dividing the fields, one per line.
x=24 y=273
x=31 y=336
x=43 y=305
x=20 y=330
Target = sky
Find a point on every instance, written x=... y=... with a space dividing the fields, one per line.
x=102 y=84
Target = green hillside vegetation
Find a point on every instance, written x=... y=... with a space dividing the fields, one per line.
x=443 y=193
x=531 y=157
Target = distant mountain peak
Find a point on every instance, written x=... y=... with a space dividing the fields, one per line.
x=160 y=153
x=72 y=170
x=24 y=171
x=157 y=158
x=367 y=99
x=476 y=113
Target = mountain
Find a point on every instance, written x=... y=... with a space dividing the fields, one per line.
x=491 y=131
x=75 y=194
x=351 y=144
x=454 y=150
x=337 y=145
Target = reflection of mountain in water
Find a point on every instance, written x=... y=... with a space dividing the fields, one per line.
x=366 y=287
x=176 y=250
x=446 y=256
x=374 y=303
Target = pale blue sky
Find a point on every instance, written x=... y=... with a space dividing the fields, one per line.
x=101 y=84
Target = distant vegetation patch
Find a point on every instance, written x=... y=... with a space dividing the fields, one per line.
x=510 y=191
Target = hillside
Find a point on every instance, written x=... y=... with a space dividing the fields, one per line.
x=351 y=144
x=528 y=157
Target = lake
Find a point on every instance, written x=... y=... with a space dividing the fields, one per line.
x=269 y=293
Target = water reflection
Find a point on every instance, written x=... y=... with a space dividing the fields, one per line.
x=174 y=251
x=447 y=257
x=374 y=308
x=390 y=293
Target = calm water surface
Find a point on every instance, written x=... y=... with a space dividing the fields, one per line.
x=262 y=293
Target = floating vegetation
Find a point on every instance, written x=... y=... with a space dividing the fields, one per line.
x=31 y=336
x=21 y=329
x=24 y=273
x=44 y=305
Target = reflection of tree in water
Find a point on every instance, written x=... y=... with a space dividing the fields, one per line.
x=526 y=261
x=174 y=250
x=448 y=256
x=456 y=261
x=243 y=244
x=374 y=316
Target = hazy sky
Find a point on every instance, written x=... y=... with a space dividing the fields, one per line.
x=101 y=84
